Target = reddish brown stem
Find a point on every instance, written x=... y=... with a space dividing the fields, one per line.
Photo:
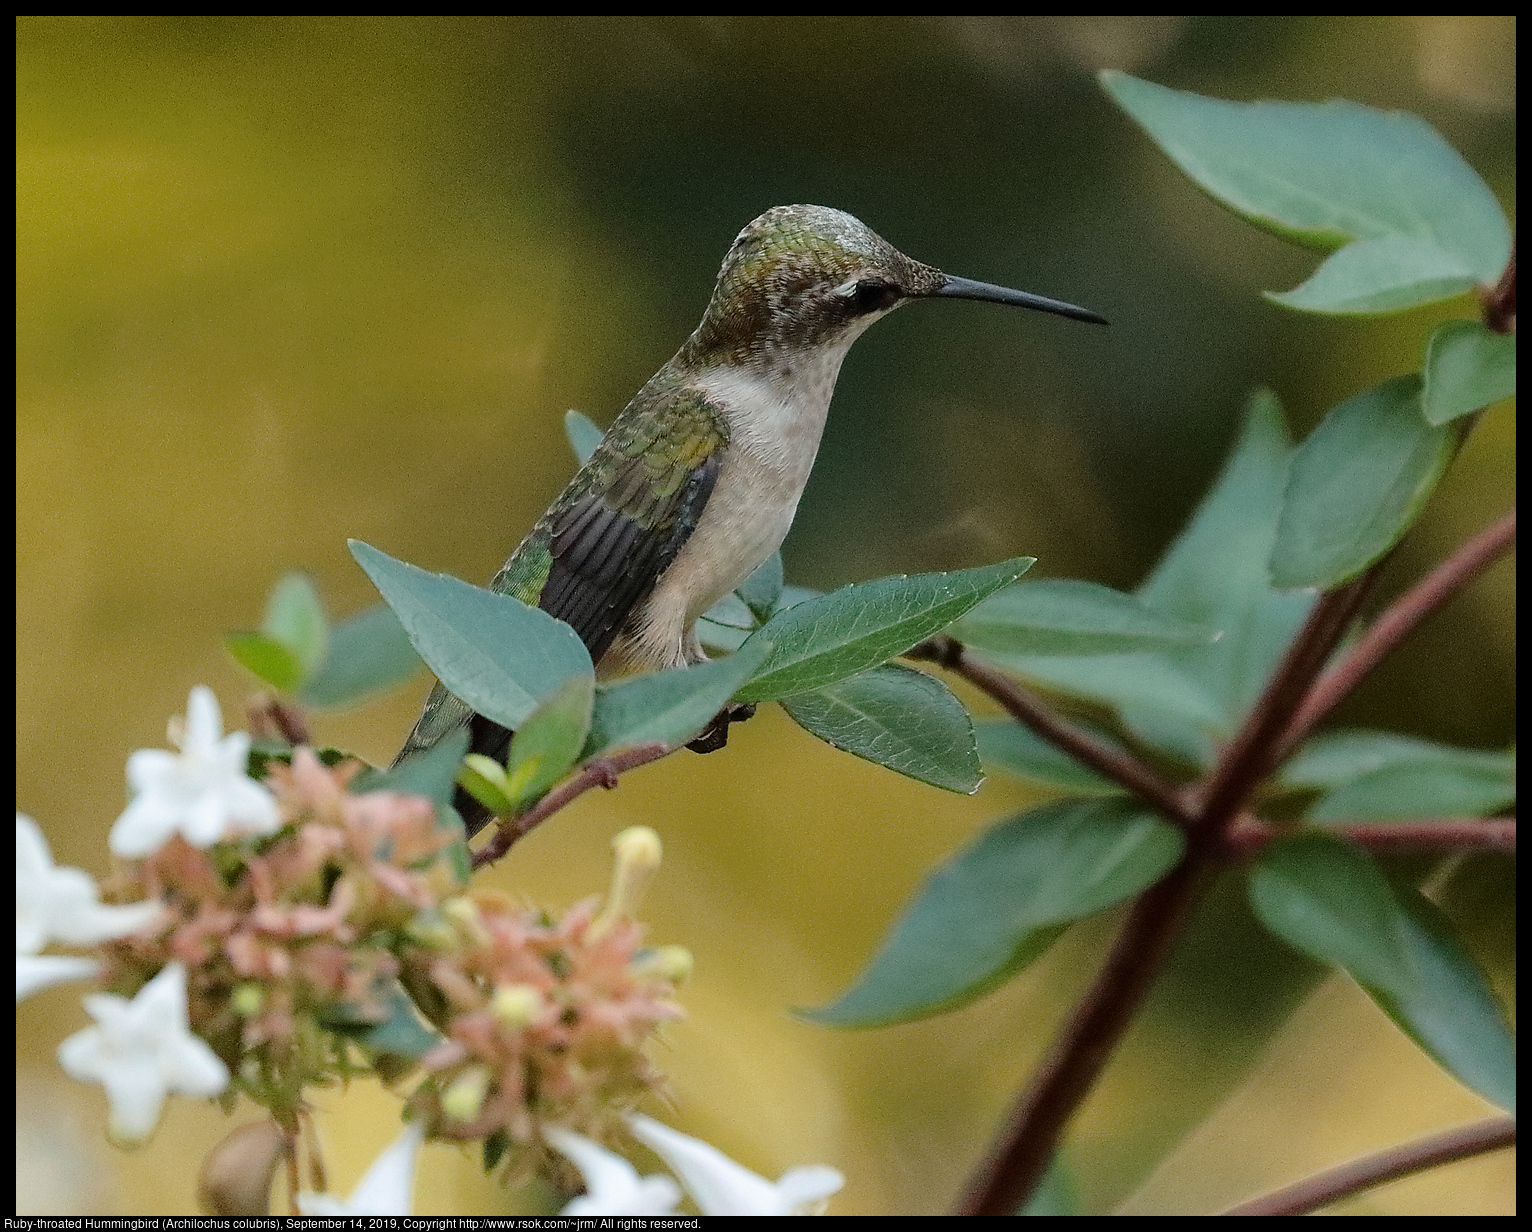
x=1081 y=1050
x=1251 y=755
x=1395 y=624
x=1029 y=710
x=1500 y=300
x=602 y=772
x=1351 y=1178
x=1441 y=834
x=1021 y=1155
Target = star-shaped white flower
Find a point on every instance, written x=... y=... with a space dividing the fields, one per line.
x=387 y=1187
x=203 y=793
x=612 y=1184
x=142 y=1050
x=719 y=1186
x=63 y=904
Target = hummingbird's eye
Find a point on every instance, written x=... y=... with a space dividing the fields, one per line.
x=873 y=295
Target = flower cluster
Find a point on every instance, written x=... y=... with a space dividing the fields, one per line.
x=270 y=936
x=546 y=1018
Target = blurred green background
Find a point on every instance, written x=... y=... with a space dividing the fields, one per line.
x=288 y=280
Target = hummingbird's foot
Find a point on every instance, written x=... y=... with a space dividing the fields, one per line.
x=716 y=734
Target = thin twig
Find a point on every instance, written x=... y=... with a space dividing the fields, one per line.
x=1500 y=301
x=1028 y=709
x=602 y=772
x=1443 y=834
x=1083 y=1047
x=1329 y=1186
x=1395 y=624
x=1250 y=756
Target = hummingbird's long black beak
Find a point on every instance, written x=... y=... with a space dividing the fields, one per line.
x=967 y=288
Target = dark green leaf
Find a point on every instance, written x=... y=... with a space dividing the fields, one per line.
x=264 y=752
x=1357 y=483
x=295 y=617
x=1328 y=900
x=268 y=658
x=1000 y=903
x=400 y=1034
x=583 y=435
x=549 y=742
x=761 y=590
x=1450 y=1011
x=666 y=707
x=1324 y=174
x=1068 y=617
x=1387 y=274
x=899 y=718
x=500 y=656
x=822 y=640
x=1008 y=746
x=495 y=1147
x=1467 y=367
x=368 y=652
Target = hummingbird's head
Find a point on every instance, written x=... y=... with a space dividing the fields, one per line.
x=803 y=277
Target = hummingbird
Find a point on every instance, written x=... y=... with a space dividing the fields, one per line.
x=697 y=480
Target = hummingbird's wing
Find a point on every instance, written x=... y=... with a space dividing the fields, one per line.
x=599 y=551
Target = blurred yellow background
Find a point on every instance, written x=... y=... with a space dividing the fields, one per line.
x=288 y=280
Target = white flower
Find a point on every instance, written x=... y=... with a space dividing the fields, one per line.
x=63 y=904
x=612 y=1184
x=34 y=972
x=203 y=794
x=386 y=1188
x=719 y=1186
x=142 y=1050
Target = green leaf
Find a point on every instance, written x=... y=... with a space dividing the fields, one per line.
x=1067 y=617
x=1379 y=776
x=485 y=780
x=1334 y=758
x=401 y=1033
x=1468 y=784
x=997 y=905
x=732 y=612
x=549 y=742
x=714 y=636
x=268 y=658
x=368 y=652
x=1186 y=700
x=583 y=435
x=1009 y=746
x=1387 y=274
x=1356 y=485
x=1324 y=174
x=667 y=707
x=1450 y=1011
x=899 y=718
x=295 y=617
x=498 y=655
x=1467 y=367
x=1327 y=899
x=825 y=639
x=761 y=590
x=432 y=774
